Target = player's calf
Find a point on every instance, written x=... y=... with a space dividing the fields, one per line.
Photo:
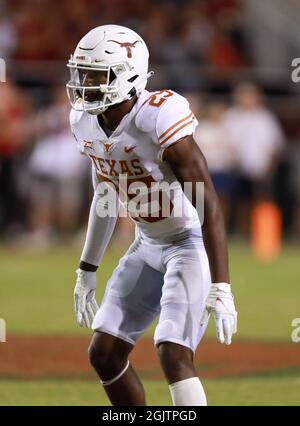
x=177 y=363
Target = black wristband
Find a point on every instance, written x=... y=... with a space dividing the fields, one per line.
x=87 y=266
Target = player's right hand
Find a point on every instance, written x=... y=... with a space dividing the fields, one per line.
x=220 y=301
x=84 y=298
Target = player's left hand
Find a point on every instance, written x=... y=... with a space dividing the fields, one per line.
x=220 y=302
x=84 y=298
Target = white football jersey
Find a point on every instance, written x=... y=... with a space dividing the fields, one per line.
x=135 y=148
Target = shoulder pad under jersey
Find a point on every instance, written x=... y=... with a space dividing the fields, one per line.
x=148 y=112
x=166 y=115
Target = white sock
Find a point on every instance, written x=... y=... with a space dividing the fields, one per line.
x=188 y=392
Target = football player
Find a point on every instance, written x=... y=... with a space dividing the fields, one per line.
x=175 y=269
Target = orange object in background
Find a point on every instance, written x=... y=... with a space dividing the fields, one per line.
x=266 y=231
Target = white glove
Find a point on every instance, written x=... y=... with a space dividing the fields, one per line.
x=220 y=302
x=84 y=298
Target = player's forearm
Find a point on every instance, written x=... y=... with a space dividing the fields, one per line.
x=189 y=165
x=215 y=241
x=99 y=233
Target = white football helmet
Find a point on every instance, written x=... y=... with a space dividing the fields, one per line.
x=109 y=66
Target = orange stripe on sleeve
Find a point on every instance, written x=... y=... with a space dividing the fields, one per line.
x=177 y=130
x=174 y=125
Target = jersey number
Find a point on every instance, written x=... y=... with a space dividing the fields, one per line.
x=159 y=98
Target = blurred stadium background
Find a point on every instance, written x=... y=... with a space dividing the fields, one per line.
x=232 y=59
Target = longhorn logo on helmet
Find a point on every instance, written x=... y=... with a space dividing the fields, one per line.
x=128 y=46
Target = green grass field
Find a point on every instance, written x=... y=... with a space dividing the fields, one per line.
x=243 y=391
x=36 y=298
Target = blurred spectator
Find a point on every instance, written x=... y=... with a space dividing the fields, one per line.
x=34 y=25
x=57 y=172
x=223 y=55
x=293 y=157
x=175 y=51
x=226 y=50
x=13 y=114
x=215 y=141
x=258 y=138
x=199 y=28
x=8 y=34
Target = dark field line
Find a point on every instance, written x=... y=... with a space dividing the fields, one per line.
x=39 y=357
